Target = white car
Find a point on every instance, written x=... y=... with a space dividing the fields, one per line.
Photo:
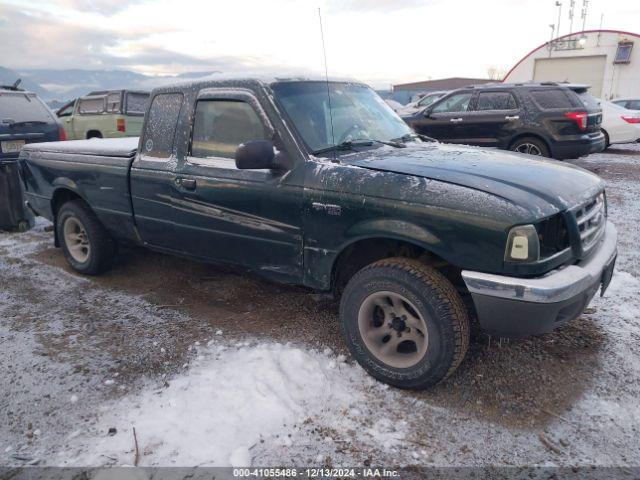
x=422 y=103
x=395 y=106
x=619 y=124
x=630 y=103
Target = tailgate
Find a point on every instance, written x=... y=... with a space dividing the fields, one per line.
x=14 y=137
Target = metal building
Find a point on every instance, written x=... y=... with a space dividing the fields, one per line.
x=608 y=60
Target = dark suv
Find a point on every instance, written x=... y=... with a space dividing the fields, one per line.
x=546 y=119
x=24 y=118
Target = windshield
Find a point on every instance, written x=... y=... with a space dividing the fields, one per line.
x=358 y=113
x=23 y=107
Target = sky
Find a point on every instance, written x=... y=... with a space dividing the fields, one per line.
x=381 y=42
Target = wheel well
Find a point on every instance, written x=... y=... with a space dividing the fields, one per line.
x=607 y=139
x=60 y=197
x=529 y=135
x=94 y=134
x=364 y=252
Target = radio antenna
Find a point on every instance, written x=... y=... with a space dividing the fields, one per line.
x=326 y=76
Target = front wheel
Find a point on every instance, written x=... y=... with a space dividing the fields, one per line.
x=85 y=242
x=531 y=146
x=405 y=323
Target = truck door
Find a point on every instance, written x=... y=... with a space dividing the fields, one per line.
x=447 y=119
x=153 y=174
x=246 y=217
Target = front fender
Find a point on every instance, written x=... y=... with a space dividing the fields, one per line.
x=320 y=262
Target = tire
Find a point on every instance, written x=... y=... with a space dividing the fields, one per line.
x=94 y=135
x=607 y=141
x=85 y=242
x=424 y=295
x=531 y=146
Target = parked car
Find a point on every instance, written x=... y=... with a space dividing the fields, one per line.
x=619 y=124
x=628 y=103
x=549 y=120
x=105 y=114
x=24 y=118
x=257 y=173
x=395 y=106
x=422 y=103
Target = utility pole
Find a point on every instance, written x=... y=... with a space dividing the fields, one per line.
x=585 y=7
x=572 y=5
x=559 y=5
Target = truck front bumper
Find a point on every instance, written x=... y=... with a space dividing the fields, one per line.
x=518 y=307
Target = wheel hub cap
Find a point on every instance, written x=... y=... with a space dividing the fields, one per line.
x=392 y=329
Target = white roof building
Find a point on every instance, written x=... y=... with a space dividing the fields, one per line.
x=607 y=60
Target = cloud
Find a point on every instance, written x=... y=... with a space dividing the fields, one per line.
x=105 y=7
x=33 y=39
x=337 y=6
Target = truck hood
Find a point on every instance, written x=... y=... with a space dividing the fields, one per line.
x=539 y=185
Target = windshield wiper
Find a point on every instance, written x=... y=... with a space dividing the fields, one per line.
x=412 y=136
x=348 y=145
x=361 y=142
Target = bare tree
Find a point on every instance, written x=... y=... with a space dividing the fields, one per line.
x=495 y=73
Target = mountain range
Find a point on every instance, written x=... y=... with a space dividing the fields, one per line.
x=58 y=86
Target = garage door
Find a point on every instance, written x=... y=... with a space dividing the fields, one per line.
x=589 y=70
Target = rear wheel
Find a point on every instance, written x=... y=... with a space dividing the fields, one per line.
x=85 y=242
x=404 y=322
x=531 y=146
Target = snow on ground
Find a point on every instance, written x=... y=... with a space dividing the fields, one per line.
x=85 y=364
x=232 y=400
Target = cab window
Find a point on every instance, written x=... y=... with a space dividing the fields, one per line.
x=496 y=101
x=220 y=126
x=458 y=102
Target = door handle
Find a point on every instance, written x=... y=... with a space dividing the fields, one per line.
x=456 y=120
x=514 y=117
x=186 y=183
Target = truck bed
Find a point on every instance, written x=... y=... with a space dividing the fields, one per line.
x=95 y=170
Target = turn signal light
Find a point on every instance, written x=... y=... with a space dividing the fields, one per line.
x=61 y=134
x=579 y=117
x=120 y=125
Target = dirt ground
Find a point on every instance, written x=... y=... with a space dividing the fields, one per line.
x=60 y=332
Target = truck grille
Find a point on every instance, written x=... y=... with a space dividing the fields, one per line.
x=591 y=220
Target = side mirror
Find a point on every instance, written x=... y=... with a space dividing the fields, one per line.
x=257 y=154
x=427 y=112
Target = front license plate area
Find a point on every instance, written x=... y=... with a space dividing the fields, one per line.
x=11 y=146
x=606 y=276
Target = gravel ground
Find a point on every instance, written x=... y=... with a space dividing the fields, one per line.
x=79 y=355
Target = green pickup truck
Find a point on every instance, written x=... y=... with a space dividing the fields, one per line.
x=104 y=114
x=321 y=184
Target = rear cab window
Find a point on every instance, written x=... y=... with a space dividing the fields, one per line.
x=17 y=107
x=160 y=126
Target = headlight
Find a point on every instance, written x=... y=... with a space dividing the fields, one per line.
x=522 y=244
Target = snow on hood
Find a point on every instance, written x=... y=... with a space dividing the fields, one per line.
x=522 y=179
